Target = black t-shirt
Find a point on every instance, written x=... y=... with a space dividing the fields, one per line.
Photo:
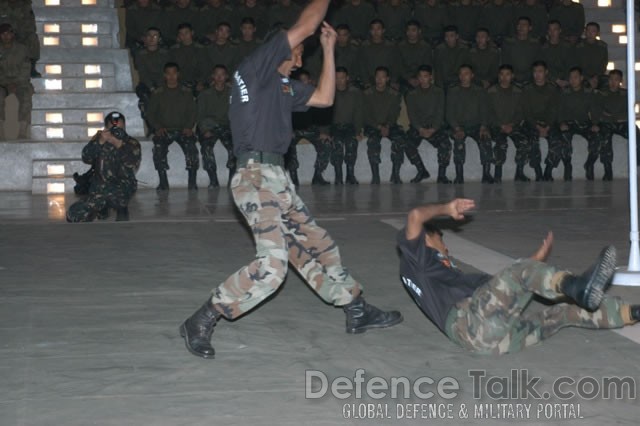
x=262 y=100
x=435 y=287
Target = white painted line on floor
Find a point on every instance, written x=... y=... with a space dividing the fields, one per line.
x=492 y=262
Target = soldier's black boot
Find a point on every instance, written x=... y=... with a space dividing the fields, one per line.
x=520 y=176
x=459 y=173
x=338 y=170
x=395 y=173
x=351 y=177
x=538 y=171
x=103 y=214
x=588 y=169
x=442 y=175
x=318 y=179
x=497 y=173
x=197 y=330
x=587 y=290
x=122 y=214
x=361 y=316
x=568 y=170
x=635 y=312
x=548 y=173
x=164 y=181
x=34 y=71
x=486 y=173
x=375 y=174
x=422 y=173
x=608 y=171
x=213 y=179
x=294 y=177
x=192 y=179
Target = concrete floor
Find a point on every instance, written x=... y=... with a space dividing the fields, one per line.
x=89 y=312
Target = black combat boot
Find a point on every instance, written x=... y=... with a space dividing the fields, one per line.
x=422 y=173
x=588 y=169
x=361 y=316
x=338 y=170
x=122 y=214
x=568 y=170
x=520 y=176
x=197 y=330
x=442 y=175
x=375 y=174
x=548 y=173
x=164 y=182
x=587 y=290
x=351 y=177
x=395 y=173
x=459 y=173
x=34 y=71
x=608 y=172
x=486 y=173
x=497 y=173
x=213 y=179
x=538 y=171
x=294 y=177
x=103 y=214
x=318 y=179
x=635 y=312
x=193 y=173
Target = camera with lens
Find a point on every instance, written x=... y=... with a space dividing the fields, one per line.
x=119 y=133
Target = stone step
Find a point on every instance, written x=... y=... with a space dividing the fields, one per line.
x=56 y=168
x=47 y=101
x=53 y=28
x=52 y=185
x=85 y=4
x=82 y=85
x=91 y=118
x=66 y=41
x=90 y=56
x=68 y=70
x=64 y=131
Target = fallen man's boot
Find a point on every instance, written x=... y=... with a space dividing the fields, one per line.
x=361 y=316
x=587 y=290
x=197 y=330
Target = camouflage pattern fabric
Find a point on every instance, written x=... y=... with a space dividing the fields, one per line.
x=460 y=149
x=207 y=144
x=161 y=150
x=494 y=320
x=374 y=144
x=607 y=130
x=344 y=147
x=560 y=148
x=535 y=155
x=284 y=232
x=322 y=146
x=439 y=140
x=520 y=142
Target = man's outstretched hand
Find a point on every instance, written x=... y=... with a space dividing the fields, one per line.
x=458 y=207
x=328 y=36
x=545 y=248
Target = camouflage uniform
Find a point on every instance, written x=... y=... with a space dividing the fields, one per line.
x=213 y=108
x=285 y=232
x=114 y=181
x=494 y=320
x=15 y=75
x=20 y=15
x=138 y=21
x=149 y=65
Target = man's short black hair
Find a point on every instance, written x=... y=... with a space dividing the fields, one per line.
x=593 y=24
x=524 y=18
x=171 y=65
x=425 y=68
x=184 y=25
x=554 y=22
x=342 y=69
x=248 y=20
x=542 y=64
x=153 y=29
x=450 y=29
x=505 y=67
x=224 y=24
x=431 y=229
x=220 y=66
x=382 y=68
x=618 y=72
x=413 y=23
x=575 y=69
x=463 y=66
x=376 y=21
x=483 y=30
x=343 y=27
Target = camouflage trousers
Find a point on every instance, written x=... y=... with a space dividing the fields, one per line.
x=207 y=144
x=494 y=319
x=284 y=232
x=100 y=196
x=439 y=140
x=607 y=130
x=560 y=148
x=344 y=147
x=322 y=146
x=460 y=149
x=374 y=144
x=535 y=155
x=24 y=93
x=520 y=142
x=161 y=150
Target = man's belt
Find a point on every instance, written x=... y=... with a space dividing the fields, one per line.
x=259 y=157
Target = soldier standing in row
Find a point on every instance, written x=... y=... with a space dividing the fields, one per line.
x=115 y=157
x=213 y=124
x=172 y=114
x=466 y=116
x=15 y=78
x=382 y=108
x=505 y=118
x=346 y=127
x=425 y=106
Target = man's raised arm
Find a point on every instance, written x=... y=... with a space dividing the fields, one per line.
x=418 y=216
x=324 y=94
x=307 y=22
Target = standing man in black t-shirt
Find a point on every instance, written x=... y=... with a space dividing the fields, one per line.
x=487 y=314
x=262 y=100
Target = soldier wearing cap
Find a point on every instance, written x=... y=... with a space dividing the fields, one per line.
x=15 y=76
x=115 y=158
